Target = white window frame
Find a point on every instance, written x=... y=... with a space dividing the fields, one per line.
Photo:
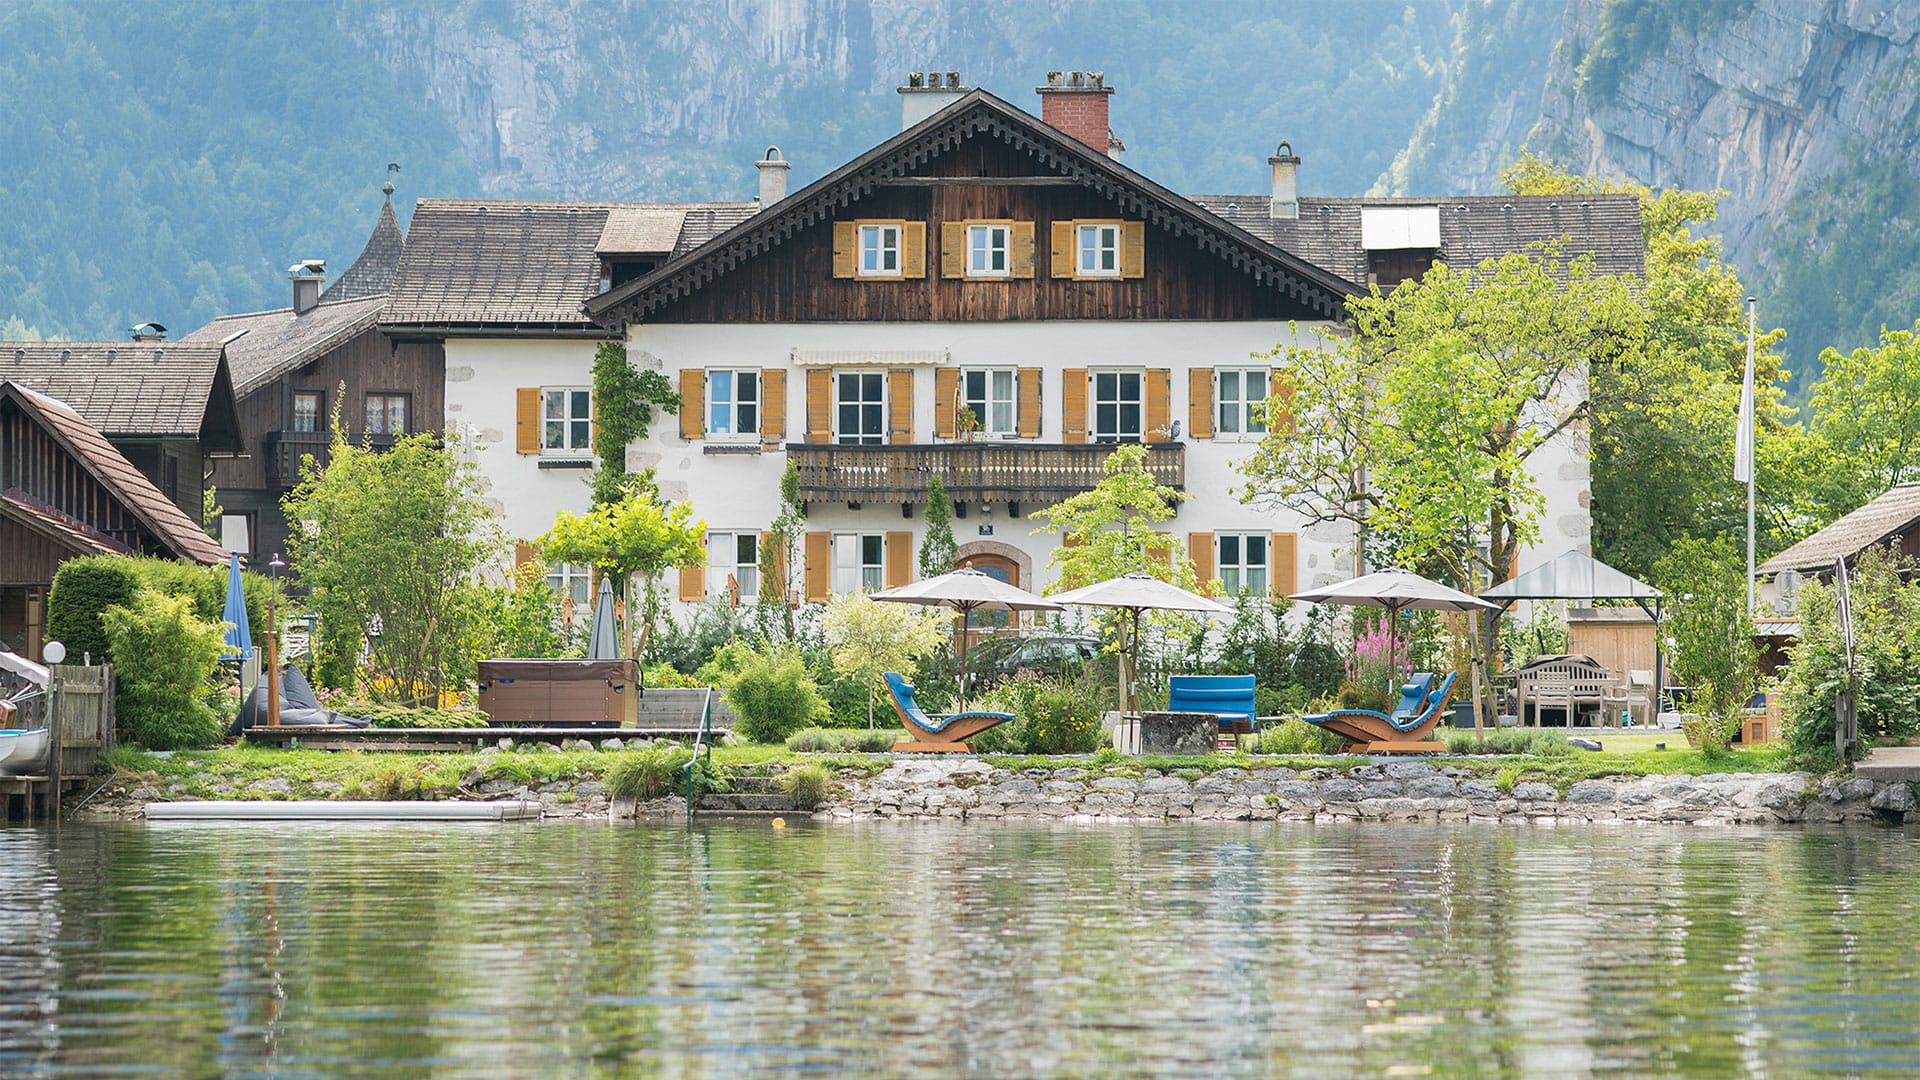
x=567 y=420
x=986 y=243
x=1242 y=575
x=861 y=437
x=319 y=418
x=1235 y=415
x=991 y=399
x=1105 y=236
x=876 y=242
x=1118 y=432
x=852 y=572
x=723 y=558
x=236 y=533
x=735 y=404
x=562 y=579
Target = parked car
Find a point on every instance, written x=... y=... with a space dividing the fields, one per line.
x=1048 y=654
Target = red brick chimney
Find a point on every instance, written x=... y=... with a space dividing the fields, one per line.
x=1076 y=103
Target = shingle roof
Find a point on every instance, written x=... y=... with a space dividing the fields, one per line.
x=1892 y=513
x=516 y=264
x=372 y=272
x=265 y=345
x=139 y=388
x=169 y=525
x=1472 y=228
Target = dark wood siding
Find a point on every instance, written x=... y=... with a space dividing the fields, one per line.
x=794 y=282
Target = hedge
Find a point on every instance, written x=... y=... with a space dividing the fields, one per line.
x=85 y=587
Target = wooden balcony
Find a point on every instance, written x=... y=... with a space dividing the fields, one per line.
x=1000 y=472
x=286 y=448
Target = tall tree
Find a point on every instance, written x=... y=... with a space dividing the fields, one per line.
x=639 y=535
x=1110 y=530
x=938 y=551
x=778 y=554
x=1866 y=422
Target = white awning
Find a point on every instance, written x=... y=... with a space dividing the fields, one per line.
x=869 y=357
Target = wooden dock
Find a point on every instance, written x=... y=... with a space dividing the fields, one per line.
x=78 y=713
x=447 y=740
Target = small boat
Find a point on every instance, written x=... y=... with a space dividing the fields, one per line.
x=22 y=750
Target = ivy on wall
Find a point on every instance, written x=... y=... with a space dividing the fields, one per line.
x=624 y=403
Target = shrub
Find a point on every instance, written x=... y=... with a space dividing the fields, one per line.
x=1536 y=742
x=774 y=695
x=165 y=658
x=1711 y=632
x=667 y=676
x=1295 y=736
x=806 y=785
x=1886 y=659
x=1353 y=695
x=816 y=740
x=1052 y=715
x=401 y=716
x=83 y=590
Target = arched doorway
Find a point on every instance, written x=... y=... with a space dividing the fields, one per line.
x=1000 y=568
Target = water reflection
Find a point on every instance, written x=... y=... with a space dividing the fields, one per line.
x=930 y=949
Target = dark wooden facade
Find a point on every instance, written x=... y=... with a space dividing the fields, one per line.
x=367 y=363
x=794 y=281
x=1000 y=472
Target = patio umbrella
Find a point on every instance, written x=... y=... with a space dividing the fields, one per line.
x=1137 y=592
x=604 y=642
x=239 y=638
x=1396 y=590
x=965 y=590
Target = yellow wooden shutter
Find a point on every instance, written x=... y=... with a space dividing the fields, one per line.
x=773 y=583
x=526 y=420
x=1200 y=549
x=693 y=580
x=1281 y=419
x=773 y=404
x=819 y=405
x=1063 y=249
x=900 y=405
x=819 y=556
x=1133 y=249
x=693 y=403
x=1159 y=404
x=1200 y=402
x=1020 y=257
x=1283 y=563
x=1073 y=405
x=1029 y=402
x=946 y=402
x=953 y=249
x=1160 y=548
x=845 y=241
x=899 y=569
x=522 y=554
x=913 y=249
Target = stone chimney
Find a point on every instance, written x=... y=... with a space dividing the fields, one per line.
x=307 y=276
x=926 y=93
x=148 y=331
x=773 y=176
x=1076 y=103
x=1286 y=192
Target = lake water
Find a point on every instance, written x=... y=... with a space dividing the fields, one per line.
x=930 y=949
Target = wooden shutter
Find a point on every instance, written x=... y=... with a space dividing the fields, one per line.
x=1063 y=249
x=1133 y=249
x=1200 y=550
x=819 y=558
x=899 y=569
x=773 y=404
x=953 y=249
x=946 y=402
x=1200 y=402
x=693 y=403
x=1159 y=404
x=522 y=554
x=775 y=582
x=1283 y=563
x=1028 y=402
x=693 y=580
x=1162 y=549
x=1020 y=249
x=1073 y=405
x=819 y=405
x=526 y=420
x=845 y=242
x=900 y=405
x=1281 y=420
x=913 y=249
x=1071 y=540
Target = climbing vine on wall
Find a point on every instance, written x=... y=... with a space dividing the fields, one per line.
x=624 y=400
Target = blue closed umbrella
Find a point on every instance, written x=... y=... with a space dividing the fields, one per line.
x=239 y=638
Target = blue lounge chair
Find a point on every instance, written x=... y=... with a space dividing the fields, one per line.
x=1405 y=730
x=930 y=734
x=1229 y=697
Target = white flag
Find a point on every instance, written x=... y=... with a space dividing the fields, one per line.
x=1743 y=437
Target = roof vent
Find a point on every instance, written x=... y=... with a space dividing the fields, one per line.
x=66 y=355
x=113 y=354
x=148 y=331
x=19 y=354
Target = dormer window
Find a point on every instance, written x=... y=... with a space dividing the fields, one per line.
x=616 y=271
x=1401 y=242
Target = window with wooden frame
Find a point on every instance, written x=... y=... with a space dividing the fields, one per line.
x=566 y=419
x=988 y=244
x=988 y=393
x=1093 y=250
x=859 y=562
x=1242 y=564
x=308 y=407
x=735 y=555
x=880 y=250
x=1097 y=249
x=386 y=413
x=1118 y=406
x=1238 y=395
x=860 y=407
x=733 y=402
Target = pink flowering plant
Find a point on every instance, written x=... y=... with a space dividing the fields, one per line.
x=1368 y=664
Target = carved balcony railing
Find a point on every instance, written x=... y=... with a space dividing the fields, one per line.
x=286 y=448
x=1000 y=472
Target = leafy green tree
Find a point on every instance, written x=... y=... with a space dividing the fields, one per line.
x=938 y=552
x=624 y=401
x=1885 y=597
x=396 y=539
x=523 y=617
x=1866 y=421
x=1110 y=530
x=781 y=552
x=1711 y=633
x=868 y=638
x=640 y=535
x=165 y=657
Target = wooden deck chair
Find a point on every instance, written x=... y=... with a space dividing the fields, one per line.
x=1396 y=733
x=1343 y=722
x=929 y=734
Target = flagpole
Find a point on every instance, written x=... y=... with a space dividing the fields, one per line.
x=1747 y=410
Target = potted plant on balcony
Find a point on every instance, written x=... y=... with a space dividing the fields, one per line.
x=966 y=424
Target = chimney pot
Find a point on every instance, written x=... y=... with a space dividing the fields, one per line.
x=1075 y=102
x=928 y=93
x=307 y=276
x=1285 y=205
x=773 y=177
x=148 y=331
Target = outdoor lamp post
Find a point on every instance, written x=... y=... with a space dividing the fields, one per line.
x=273 y=641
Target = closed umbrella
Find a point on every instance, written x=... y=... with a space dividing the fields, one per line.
x=604 y=642
x=1395 y=590
x=239 y=638
x=1134 y=593
x=965 y=590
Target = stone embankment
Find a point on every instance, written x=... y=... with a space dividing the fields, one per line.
x=1393 y=791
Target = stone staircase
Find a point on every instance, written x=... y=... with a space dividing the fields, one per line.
x=756 y=792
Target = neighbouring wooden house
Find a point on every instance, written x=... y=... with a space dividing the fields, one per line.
x=295 y=367
x=1893 y=518
x=167 y=406
x=65 y=491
